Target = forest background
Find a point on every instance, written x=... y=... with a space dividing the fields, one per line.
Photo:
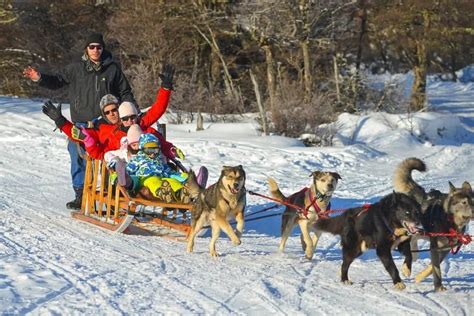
x=298 y=63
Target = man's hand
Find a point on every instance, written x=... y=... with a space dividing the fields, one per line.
x=166 y=76
x=54 y=113
x=31 y=73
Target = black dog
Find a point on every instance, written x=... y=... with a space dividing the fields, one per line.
x=380 y=226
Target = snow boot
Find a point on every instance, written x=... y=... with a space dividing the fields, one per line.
x=76 y=203
x=165 y=193
x=202 y=176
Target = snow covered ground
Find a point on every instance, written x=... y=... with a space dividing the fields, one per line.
x=53 y=264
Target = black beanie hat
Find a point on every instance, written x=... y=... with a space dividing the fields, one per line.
x=95 y=38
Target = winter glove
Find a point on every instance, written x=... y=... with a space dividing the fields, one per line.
x=88 y=140
x=177 y=153
x=111 y=164
x=54 y=113
x=77 y=134
x=166 y=76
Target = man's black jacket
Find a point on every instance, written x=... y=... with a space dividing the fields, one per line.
x=87 y=86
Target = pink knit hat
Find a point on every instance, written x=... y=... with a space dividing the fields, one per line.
x=127 y=108
x=133 y=134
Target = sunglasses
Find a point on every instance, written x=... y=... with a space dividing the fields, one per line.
x=151 y=150
x=128 y=118
x=111 y=111
x=92 y=47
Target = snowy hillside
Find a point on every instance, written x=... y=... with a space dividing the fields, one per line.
x=53 y=264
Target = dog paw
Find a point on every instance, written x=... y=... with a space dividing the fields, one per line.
x=405 y=270
x=214 y=254
x=400 y=286
x=347 y=282
x=238 y=234
x=440 y=289
x=189 y=249
x=236 y=242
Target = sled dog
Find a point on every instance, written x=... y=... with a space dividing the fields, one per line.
x=379 y=226
x=225 y=198
x=440 y=213
x=315 y=199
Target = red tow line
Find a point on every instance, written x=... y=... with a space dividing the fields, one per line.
x=299 y=209
x=304 y=211
x=463 y=239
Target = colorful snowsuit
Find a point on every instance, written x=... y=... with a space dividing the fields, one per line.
x=152 y=172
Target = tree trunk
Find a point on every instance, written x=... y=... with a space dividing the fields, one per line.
x=271 y=82
x=420 y=68
x=211 y=40
x=336 y=79
x=362 y=14
x=263 y=116
x=199 y=122
x=307 y=78
x=418 y=90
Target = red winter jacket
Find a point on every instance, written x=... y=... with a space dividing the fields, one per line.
x=108 y=136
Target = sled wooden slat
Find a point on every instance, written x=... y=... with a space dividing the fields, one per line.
x=103 y=172
x=111 y=206
x=109 y=200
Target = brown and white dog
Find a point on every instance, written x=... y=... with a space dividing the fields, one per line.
x=225 y=198
x=315 y=199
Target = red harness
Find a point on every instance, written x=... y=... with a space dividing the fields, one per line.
x=462 y=239
x=299 y=209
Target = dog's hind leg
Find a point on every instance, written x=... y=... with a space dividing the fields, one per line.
x=286 y=228
x=347 y=258
x=436 y=258
x=216 y=231
x=307 y=239
x=225 y=226
x=195 y=229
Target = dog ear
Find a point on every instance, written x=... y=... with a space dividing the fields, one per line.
x=394 y=197
x=466 y=187
x=452 y=188
x=242 y=171
x=336 y=175
x=316 y=174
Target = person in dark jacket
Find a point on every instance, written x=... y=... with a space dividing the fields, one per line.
x=88 y=79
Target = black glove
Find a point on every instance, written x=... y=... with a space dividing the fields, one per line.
x=54 y=113
x=166 y=76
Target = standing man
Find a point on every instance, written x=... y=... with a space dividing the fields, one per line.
x=88 y=80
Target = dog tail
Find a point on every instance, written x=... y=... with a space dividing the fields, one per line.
x=403 y=181
x=333 y=225
x=192 y=185
x=275 y=190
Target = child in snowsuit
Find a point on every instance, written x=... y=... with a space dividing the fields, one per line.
x=117 y=159
x=153 y=172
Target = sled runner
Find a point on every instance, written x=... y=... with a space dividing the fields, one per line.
x=112 y=207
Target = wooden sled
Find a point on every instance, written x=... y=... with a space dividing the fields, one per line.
x=111 y=207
